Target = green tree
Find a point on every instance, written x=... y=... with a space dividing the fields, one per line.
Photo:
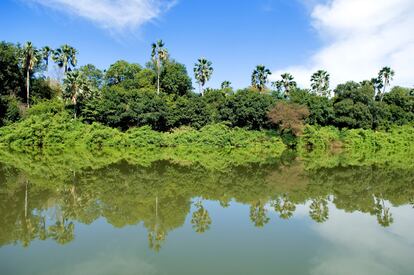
x=93 y=74
x=225 y=85
x=247 y=108
x=65 y=57
x=158 y=55
x=320 y=83
x=320 y=108
x=174 y=79
x=286 y=84
x=11 y=77
x=46 y=52
x=76 y=85
x=202 y=72
x=385 y=76
x=121 y=72
x=352 y=105
x=30 y=58
x=260 y=77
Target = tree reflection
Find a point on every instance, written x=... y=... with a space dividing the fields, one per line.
x=159 y=194
x=284 y=207
x=318 y=210
x=200 y=220
x=384 y=216
x=258 y=214
x=156 y=235
x=62 y=231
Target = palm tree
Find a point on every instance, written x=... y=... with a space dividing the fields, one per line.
x=260 y=77
x=320 y=83
x=46 y=52
x=65 y=56
x=76 y=85
x=202 y=72
x=225 y=85
x=30 y=58
x=158 y=55
x=377 y=84
x=385 y=76
x=286 y=84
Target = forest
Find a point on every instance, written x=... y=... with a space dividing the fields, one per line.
x=40 y=86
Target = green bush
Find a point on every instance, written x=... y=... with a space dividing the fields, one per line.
x=61 y=130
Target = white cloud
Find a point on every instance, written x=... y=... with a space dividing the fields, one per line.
x=361 y=37
x=359 y=245
x=115 y=15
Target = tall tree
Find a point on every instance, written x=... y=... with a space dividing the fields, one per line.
x=260 y=77
x=46 y=52
x=320 y=83
x=65 y=57
x=202 y=72
x=93 y=74
x=30 y=58
x=76 y=85
x=385 y=76
x=225 y=85
x=286 y=84
x=158 y=55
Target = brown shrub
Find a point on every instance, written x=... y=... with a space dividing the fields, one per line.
x=289 y=116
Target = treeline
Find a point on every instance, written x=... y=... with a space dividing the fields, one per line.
x=160 y=94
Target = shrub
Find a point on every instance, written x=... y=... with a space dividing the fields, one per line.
x=289 y=116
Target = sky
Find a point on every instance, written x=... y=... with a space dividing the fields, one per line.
x=351 y=39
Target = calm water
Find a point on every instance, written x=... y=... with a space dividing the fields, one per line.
x=80 y=215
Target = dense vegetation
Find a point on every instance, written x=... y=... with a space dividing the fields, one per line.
x=159 y=96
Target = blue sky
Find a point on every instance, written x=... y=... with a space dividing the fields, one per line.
x=299 y=36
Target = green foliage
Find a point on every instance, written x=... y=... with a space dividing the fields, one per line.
x=121 y=72
x=320 y=108
x=358 y=144
x=11 y=77
x=93 y=74
x=160 y=96
x=318 y=138
x=44 y=129
x=248 y=109
x=9 y=110
x=352 y=105
x=174 y=79
x=50 y=107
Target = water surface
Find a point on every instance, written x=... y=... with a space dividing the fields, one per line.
x=78 y=214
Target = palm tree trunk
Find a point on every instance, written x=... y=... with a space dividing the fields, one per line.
x=28 y=87
x=158 y=81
